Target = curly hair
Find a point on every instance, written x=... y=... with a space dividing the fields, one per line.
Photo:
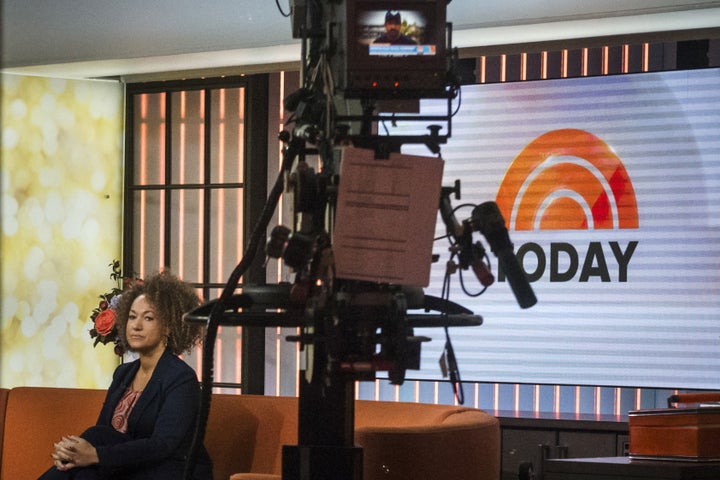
x=172 y=298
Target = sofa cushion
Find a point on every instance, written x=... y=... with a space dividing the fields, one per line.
x=36 y=418
x=245 y=432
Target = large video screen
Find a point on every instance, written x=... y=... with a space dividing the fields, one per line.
x=610 y=187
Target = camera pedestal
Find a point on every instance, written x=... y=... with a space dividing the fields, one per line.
x=326 y=421
x=321 y=462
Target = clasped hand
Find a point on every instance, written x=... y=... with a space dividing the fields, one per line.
x=73 y=451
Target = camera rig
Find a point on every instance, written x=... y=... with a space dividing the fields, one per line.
x=349 y=329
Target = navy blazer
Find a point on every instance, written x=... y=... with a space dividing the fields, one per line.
x=162 y=423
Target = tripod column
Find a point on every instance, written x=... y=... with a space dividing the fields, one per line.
x=326 y=422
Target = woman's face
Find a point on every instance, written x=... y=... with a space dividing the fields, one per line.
x=145 y=332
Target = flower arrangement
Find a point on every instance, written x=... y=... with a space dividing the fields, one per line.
x=104 y=316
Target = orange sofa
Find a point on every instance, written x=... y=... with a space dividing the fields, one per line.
x=246 y=433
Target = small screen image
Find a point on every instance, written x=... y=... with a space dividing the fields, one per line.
x=391 y=33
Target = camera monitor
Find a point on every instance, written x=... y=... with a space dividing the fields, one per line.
x=395 y=48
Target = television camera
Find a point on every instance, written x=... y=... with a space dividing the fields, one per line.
x=360 y=59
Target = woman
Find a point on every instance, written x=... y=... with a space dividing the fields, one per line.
x=146 y=425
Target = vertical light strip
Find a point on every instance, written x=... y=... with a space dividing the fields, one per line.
x=523 y=66
x=220 y=205
x=564 y=63
x=163 y=233
x=536 y=398
x=496 y=396
x=143 y=221
x=605 y=60
x=163 y=153
x=202 y=174
x=202 y=212
x=436 y=392
x=281 y=112
x=577 y=400
x=182 y=161
x=239 y=115
x=238 y=359
x=646 y=57
x=241 y=142
x=201 y=239
x=143 y=178
x=625 y=58
x=476 y=395
x=503 y=68
x=584 y=68
x=556 y=399
x=219 y=354
x=483 y=69
x=278 y=369
x=298 y=352
x=200 y=230
x=598 y=400
x=544 y=65
x=618 y=401
x=638 y=398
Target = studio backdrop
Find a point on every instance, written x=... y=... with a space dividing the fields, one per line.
x=610 y=187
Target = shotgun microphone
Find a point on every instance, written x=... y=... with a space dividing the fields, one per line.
x=487 y=218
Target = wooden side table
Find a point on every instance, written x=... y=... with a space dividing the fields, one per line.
x=624 y=468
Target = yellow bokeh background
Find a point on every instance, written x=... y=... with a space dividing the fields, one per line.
x=62 y=147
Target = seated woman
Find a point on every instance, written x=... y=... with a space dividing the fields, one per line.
x=147 y=423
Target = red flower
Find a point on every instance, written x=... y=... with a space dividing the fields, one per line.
x=105 y=322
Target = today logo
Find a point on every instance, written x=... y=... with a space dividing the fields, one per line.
x=570 y=179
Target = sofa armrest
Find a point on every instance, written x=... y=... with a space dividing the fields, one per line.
x=3 y=407
x=465 y=446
